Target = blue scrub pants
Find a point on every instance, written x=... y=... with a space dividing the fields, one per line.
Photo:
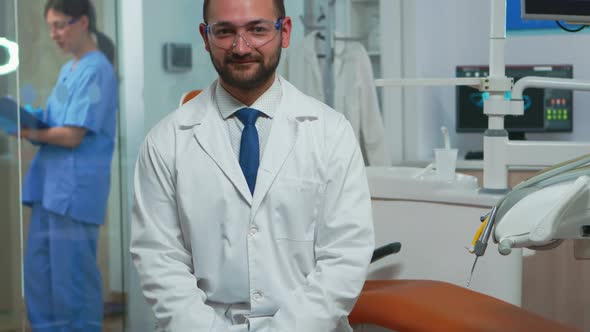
x=63 y=288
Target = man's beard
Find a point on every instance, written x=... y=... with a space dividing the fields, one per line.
x=238 y=79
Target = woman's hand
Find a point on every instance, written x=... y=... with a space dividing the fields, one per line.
x=67 y=137
x=25 y=133
x=29 y=134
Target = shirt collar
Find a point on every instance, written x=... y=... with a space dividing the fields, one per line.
x=267 y=103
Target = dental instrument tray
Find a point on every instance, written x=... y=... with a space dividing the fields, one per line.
x=9 y=116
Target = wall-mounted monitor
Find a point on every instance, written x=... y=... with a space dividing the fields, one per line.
x=573 y=11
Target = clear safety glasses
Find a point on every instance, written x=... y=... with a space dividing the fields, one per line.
x=256 y=33
x=61 y=25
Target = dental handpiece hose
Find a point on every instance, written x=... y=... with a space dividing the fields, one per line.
x=482 y=243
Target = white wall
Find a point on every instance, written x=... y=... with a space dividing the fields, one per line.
x=455 y=32
x=295 y=9
x=176 y=21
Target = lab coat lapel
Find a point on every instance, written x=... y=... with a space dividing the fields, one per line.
x=211 y=134
x=280 y=143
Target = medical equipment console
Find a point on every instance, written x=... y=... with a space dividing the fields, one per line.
x=546 y=110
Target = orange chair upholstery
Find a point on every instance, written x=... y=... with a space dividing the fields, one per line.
x=424 y=305
x=188 y=96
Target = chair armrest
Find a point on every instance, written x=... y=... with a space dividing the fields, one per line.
x=386 y=250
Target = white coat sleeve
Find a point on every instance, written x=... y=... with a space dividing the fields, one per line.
x=159 y=253
x=343 y=246
x=372 y=128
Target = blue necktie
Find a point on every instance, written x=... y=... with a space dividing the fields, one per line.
x=249 y=146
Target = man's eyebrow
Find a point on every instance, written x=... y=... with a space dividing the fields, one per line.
x=224 y=23
x=255 y=21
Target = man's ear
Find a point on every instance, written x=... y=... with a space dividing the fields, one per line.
x=202 y=28
x=286 y=32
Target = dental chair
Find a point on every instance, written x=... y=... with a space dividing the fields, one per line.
x=429 y=305
x=186 y=97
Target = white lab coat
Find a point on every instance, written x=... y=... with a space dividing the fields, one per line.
x=355 y=93
x=307 y=231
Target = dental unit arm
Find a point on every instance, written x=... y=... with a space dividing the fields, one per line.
x=556 y=209
x=541 y=212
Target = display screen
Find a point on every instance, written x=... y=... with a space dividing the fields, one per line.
x=574 y=8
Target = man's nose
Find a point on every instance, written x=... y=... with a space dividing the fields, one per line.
x=241 y=45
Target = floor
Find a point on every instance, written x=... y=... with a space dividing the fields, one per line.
x=114 y=323
x=114 y=320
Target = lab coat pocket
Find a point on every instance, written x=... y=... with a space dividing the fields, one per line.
x=295 y=205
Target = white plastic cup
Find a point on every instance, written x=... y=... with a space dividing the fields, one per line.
x=446 y=163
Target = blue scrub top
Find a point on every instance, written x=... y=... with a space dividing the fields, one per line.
x=76 y=182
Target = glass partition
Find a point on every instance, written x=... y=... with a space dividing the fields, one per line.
x=11 y=303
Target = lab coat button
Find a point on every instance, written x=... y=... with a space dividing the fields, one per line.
x=253 y=230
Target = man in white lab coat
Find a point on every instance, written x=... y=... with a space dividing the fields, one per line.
x=252 y=210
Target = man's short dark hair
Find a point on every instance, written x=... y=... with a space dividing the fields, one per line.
x=279 y=7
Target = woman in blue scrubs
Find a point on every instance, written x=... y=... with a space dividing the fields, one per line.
x=68 y=182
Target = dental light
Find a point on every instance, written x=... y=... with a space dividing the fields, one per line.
x=12 y=64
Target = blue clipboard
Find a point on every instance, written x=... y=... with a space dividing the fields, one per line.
x=9 y=117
